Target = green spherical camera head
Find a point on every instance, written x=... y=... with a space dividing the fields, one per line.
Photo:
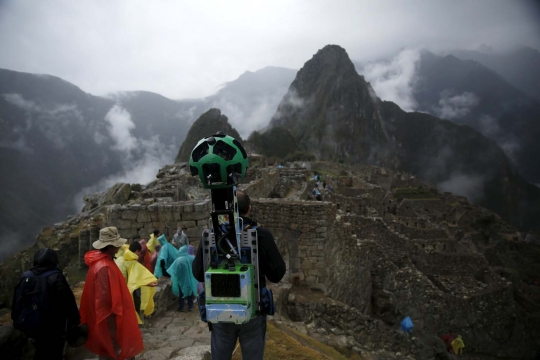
x=219 y=160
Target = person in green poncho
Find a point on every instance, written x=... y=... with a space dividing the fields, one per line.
x=184 y=283
x=167 y=255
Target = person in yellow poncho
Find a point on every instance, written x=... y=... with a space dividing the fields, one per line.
x=458 y=345
x=121 y=251
x=140 y=282
x=151 y=244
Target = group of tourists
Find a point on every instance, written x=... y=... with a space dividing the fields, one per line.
x=316 y=193
x=119 y=290
x=118 y=293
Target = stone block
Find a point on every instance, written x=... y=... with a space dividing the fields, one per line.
x=293 y=253
x=294 y=263
x=144 y=233
x=129 y=233
x=195 y=216
x=121 y=224
x=188 y=208
x=129 y=215
x=306 y=265
x=297 y=276
x=187 y=224
x=171 y=225
x=114 y=213
x=167 y=216
x=202 y=206
x=317 y=272
x=143 y=217
x=194 y=233
x=311 y=279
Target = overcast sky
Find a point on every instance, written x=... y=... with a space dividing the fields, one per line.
x=187 y=49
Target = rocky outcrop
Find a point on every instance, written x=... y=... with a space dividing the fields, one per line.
x=330 y=111
x=207 y=124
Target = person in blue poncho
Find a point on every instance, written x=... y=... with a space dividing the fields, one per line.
x=167 y=255
x=184 y=283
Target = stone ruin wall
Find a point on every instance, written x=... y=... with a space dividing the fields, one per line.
x=138 y=221
x=389 y=286
x=301 y=229
x=263 y=186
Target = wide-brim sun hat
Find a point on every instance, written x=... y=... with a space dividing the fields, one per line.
x=108 y=236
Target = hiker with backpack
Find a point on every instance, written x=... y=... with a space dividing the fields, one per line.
x=44 y=306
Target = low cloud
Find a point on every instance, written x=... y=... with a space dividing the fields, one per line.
x=470 y=186
x=246 y=118
x=394 y=80
x=120 y=126
x=452 y=106
x=291 y=101
x=12 y=242
x=50 y=119
x=140 y=159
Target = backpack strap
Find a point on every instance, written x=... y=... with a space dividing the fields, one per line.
x=46 y=274
x=249 y=226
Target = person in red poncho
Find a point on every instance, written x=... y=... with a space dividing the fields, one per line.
x=144 y=256
x=106 y=304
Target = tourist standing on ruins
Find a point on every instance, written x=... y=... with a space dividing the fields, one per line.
x=144 y=256
x=45 y=289
x=316 y=194
x=106 y=303
x=167 y=255
x=184 y=285
x=180 y=239
x=272 y=267
x=153 y=259
x=153 y=241
x=140 y=281
x=458 y=346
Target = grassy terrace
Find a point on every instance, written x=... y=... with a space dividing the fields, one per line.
x=283 y=342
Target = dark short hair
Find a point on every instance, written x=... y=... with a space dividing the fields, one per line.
x=156 y=232
x=243 y=202
x=135 y=246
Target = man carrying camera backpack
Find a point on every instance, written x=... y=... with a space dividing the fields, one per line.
x=44 y=306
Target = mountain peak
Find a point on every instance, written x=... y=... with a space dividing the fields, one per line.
x=331 y=111
x=207 y=124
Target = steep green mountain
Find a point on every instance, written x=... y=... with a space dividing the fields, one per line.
x=466 y=92
x=329 y=110
x=208 y=124
x=332 y=111
x=459 y=159
x=276 y=142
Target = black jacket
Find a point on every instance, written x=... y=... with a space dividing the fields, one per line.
x=60 y=300
x=271 y=264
